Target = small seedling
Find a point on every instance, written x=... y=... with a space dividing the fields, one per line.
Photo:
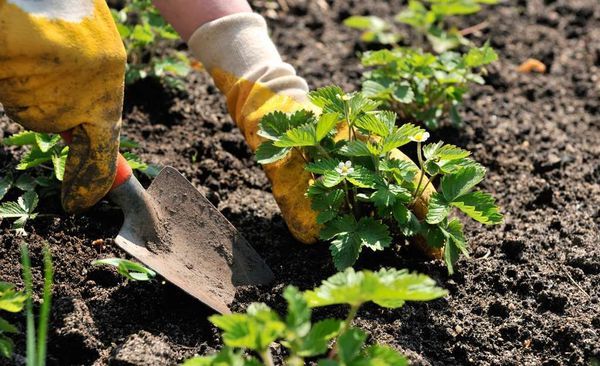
x=12 y=301
x=374 y=29
x=141 y=27
x=421 y=86
x=36 y=341
x=428 y=18
x=260 y=326
x=363 y=195
x=128 y=269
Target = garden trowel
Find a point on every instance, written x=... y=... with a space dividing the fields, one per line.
x=173 y=229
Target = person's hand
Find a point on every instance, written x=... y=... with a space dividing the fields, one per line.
x=62 y=66
x=246 y=67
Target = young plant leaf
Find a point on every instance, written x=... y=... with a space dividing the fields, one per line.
x=326 y=124
x=45 y=141
x=21 y=211
x=349 y=345
x=255 y=330
x=268 y=153
x=304 y=135
x=11 y=300
x=438 y=209
x=5 y=185
x=388 y=288
x=128 y=269
x=20 y=139
x=479 y=206
x=461 y=182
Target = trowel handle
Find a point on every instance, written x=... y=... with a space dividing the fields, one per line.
x=124 y=171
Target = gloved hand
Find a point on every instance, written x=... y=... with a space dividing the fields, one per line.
x=62 y=66
x=246 y=67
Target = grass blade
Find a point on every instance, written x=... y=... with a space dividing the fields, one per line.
x=45 y=308
x=27 y=279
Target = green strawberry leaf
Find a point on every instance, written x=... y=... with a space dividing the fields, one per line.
x=304 y=135
x=5 y=185
x=438 y=209
x=268 y=153
x=326 y=124
x=479 y=206
x=20 y=139
x=45 y=141
x=388 y=288
x=349 y=345
x=461 y=182
x=255 y=330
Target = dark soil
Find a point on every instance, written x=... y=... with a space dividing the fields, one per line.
x=529 y=294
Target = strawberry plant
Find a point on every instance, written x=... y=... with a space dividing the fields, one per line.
x=141 y=27
x=45 y=158
x=12 y=301
x=363 y=194
x=428 y=18
x=421 y=86
x=260 y=326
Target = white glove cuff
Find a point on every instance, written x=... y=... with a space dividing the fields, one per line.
x=239 y=44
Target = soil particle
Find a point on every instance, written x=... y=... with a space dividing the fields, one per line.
x=529 y=294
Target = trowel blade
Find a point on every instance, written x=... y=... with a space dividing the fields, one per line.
x=206 y=256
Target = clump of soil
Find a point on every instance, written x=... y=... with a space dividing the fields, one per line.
x=528 y=295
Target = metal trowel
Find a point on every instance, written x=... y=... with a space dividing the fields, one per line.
x=173 y=229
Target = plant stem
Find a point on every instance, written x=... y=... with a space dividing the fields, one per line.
x=421 y=164
x=323 y=151
x=350 y=318
x=429 y=181
x=267 y=357
x=347 y=194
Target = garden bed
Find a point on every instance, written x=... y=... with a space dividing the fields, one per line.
x=529 y=294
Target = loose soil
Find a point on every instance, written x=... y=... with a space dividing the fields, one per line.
x=529 y=293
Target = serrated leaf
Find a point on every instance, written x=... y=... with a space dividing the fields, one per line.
x=268 y=153
x=25 y=182
x=45 y=141
x=326 y=124
x=21 y=211
x=34 y=158
x=455 y=244
x=317 y=340
x=362 y=177
x=128 y=269
x=443 y=151
x=370 y=123
x=345 y=250
x=5 y=185
x=438 y=209
x=400 y=137
x=322 y=166
x=225 y=357
x=459 y=183
x=331 y=178
x=134 y=161
x=255 y=330
x=355 y=148
x=403 y=93
x=373 y=234
x=349 y=345
x=126 y=143
x=479 y=206
x=329 y=99
x=388 y=288
x=274 y=125
x=59 y=162
x=403 y=171
x=20 y=139
x=387 y=195
x=381 y=355
x=298 y=312
x=407 y=221
x=477 y=57
x=304 y=135
x=11 y=300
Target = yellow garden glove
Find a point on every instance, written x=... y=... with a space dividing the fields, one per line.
x=238 y=53
x=62 y=66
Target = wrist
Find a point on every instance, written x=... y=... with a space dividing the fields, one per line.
x=188 y=15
